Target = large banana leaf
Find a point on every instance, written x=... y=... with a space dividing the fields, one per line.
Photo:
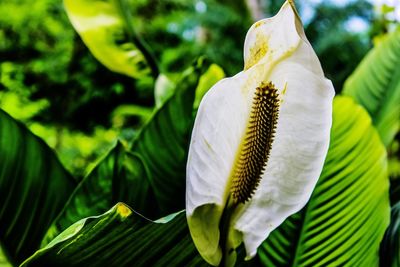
x=121 y=237
x=159 y=154
x=33 y=189
x=105 y=27
x=346 y=217
x=375 y=84
x=390 y=247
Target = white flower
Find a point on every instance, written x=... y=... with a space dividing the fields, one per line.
x=259 y=141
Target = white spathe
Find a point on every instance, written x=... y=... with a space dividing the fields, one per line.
x=276 y=50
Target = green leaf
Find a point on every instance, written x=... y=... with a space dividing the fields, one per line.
x=34 y=187
x=346 y=217
x=163 y=143
x=210 y=77
x=105 y=27
x=164 y=88
x=375 y=84
x=121 y=237
x=390 y=245
x=119 y=176
x=158 y=156
x=3 y=260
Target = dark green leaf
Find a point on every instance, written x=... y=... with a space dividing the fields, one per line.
x=163 y=143
x=394 y=191
x=120 y=176
x=34 y=187
x=375 y=84
x=346 y=217
x=121 y=237
x=390 y=246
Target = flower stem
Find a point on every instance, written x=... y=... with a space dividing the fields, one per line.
x=228 y=249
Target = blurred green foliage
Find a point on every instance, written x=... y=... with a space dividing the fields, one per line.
x=49 y=79
x=339 y=48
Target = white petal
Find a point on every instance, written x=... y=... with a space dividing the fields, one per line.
x=297 y=155
x=276 y=50
x=274 y=39
x=303 y=130
x=219 y=127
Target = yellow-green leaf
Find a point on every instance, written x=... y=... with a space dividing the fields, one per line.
x=375 y=84
x=106 y=29
x=346 y=217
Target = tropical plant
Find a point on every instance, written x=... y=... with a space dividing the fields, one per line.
x=129 y=209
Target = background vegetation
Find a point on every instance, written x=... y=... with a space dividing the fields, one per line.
x=50 y=81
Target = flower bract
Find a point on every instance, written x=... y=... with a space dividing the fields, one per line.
x=259 y=141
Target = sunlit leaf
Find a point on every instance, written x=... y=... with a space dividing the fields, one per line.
x=34 y=187
x=346 y=217
x=105 y=27
x=164 y=88
x=3 y=260
x=375 y=84
x=210 y=77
